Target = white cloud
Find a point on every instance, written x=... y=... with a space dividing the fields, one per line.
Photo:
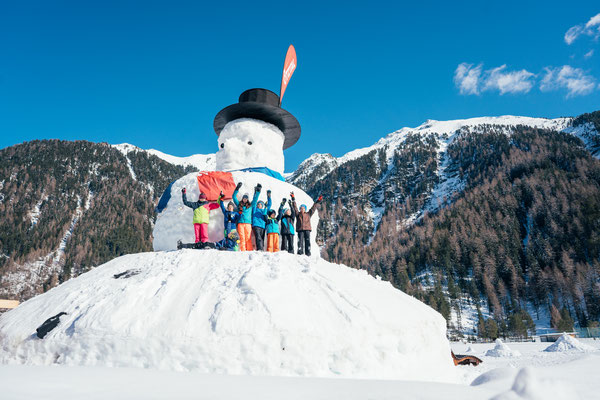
x=590 y=28
x=508 y=81
x=588 y=54
x=467 y=78
x=470 y=80
x=574 y=80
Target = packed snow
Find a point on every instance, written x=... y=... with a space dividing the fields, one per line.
x=568 y=343
x=568 y=376
x=249 y=143
x=528 y=386
x=175 y=221
x=502 y=350
x=235 y=313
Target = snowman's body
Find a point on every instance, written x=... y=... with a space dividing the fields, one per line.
x=174 y=222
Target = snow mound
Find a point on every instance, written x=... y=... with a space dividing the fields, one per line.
x=568 y=343
x=492 y=375
x=528 y=386
x=502 y=350
x=470 y=350
x=234 y=313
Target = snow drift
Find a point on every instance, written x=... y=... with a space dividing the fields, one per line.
x=235 y=313
x=568 y=343
x=502 y=350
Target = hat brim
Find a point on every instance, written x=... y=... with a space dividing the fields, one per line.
x=277 y=116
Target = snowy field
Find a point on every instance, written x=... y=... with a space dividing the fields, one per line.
x=534 y=375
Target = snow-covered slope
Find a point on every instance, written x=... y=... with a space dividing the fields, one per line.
x=202 y=162
x=237 y=313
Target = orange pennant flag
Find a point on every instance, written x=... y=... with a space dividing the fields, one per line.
x=288 y=69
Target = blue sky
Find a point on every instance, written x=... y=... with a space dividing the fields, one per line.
x=155 y=74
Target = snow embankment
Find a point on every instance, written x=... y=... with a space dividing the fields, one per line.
x=568 y=343
x=502 y=350
x=236 y=313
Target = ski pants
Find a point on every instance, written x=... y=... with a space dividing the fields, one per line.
x=287 y=242
x=245 y=232
x=273 y=242
x=304 y=242
x=201 y=231
x=259 y=237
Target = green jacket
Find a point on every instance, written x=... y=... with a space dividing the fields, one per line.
x=201 y=209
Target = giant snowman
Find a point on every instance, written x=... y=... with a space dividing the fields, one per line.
x=252 y=135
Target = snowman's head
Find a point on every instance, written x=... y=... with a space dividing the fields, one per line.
x=249 y=143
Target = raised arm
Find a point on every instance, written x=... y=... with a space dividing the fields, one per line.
x=314 y=206
x=235 y=193
x=220 y=202
x=185 y=202
x=293 y=203
x=256 y=194
x=269 y=202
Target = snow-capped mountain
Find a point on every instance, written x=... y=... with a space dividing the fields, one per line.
x=201 y=162
x=442 y=133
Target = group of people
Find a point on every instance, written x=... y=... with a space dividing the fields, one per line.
x=246 y=219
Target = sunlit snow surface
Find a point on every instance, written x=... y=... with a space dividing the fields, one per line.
x=535 y=375
x=235 y=313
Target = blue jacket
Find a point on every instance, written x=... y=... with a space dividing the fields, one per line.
x=287 y=222
x=273 y=223
x=230 y=219
x=245 y=217
x=259 y=215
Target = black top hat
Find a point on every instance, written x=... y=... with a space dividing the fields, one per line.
x=261 y=104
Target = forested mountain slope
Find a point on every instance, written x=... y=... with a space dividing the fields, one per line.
x=499 y=213
x=69 y=206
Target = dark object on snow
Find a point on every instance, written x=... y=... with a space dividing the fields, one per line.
x=127 y=274
x=462 y=359
x=48 y=325
x=197 y=246
x=261 y=104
